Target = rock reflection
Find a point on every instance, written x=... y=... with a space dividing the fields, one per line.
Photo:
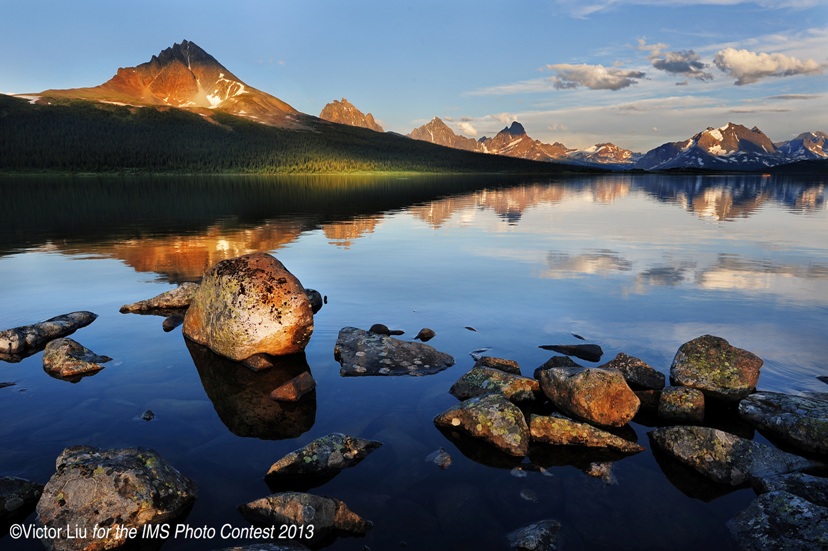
x=481 y=452
x=241 y=397
x=688 y=481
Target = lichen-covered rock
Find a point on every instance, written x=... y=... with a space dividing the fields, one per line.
x=557 y=429
x=178 y=298
x=540 y=536
x=712 y=365
x=780 y=520
x=801 y=421
x=121 y=488
x=599 y=396
x=485 y=380
x=679 y=404
x=812 y=488
x=250 y=305
x=723 y=457
x=66 y=358
x=18 y=497
x=509 y=366
x=638 y=374
x=20 y=342
x=324 y=456
x=491 y=418
x=294 y=389
x=588 y=352
x=363 y=353
x=326 y=515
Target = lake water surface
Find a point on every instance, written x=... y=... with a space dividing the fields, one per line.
x=638 y=264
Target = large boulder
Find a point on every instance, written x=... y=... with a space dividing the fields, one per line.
x=600 y=396
x=712 y=365
x=364 y=353
x=120 y=489
x=18 y=498
x=20 y=342
x=638 y=373
x=250 y=305
x=491 y=418
x=487 y=380
x=174 y=299
x=324 y=456
x=781 y=520
x=317 y=516
x=801 y=421
x=723 y=457
x=559 y=430
x=67 y=358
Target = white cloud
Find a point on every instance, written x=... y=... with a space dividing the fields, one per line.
x=749 y=67
x=467 y=128
x=594 y=77
x=683 y=62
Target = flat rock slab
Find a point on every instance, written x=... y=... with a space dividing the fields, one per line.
x=485 y=380
x=67 y=358
x=588 y=352
x=326 y=515
x=18 y=497
x=812 y=488
x=509 y=366
x=363 y=353
x=119 y=488
x=540 y=536
x=712 y=365
x=491 y=418
x=780 y=520
x=324 y=456
x=600 y=396
x=178 y=298
x=638 y=373
x=723 y=457
x=558 y=430
x=801 y=421
x=20 y=342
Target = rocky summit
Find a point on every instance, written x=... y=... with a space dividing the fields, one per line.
x=343 y=112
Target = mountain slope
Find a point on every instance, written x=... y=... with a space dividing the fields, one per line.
x=438 y=132
x=807 y=146
x=343 y=112
x=513 y=141
x=186 y=77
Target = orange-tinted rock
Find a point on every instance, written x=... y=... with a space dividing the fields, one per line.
x=558 y=430
x=597 y=395
x=250 y=305
x=295 y=388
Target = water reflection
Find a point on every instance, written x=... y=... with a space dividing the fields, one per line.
x=242 y=397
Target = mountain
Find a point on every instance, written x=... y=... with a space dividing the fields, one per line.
x=513 y=141
x=731 y=147
x=187 y=77
x=807 y=146
x=343 y=112
x=607 y=154
x=438 y=132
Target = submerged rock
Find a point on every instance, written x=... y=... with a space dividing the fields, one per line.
x=491 y=418
x=20 y=342
x=724 y=457
x=294 y=389
x=484 y=380
x=250 y=305
x=780 y=520
x=121 y=488
x=18 y=498
x=718 y=369
x=509 y=366
x=638 y=374
x=678 y=404
x=440 y=457
x=801 y=421
x=178 y=298
x=326 y=515
x=363 y=353
x=558 y=430
x=66 y=358
x=324 y=456
x=588 y=352
x=599 y=396
x=425 y=334
x=540 y=536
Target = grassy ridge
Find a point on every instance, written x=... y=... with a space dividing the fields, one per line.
x=83 y=136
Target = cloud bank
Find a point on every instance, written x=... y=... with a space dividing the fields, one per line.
x=684 y=63
x=748 y=67
x=594 y=77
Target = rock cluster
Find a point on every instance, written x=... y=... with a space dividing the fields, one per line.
x=20 y=342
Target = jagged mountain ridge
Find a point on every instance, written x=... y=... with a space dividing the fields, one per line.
x=438 y=132
x=344 y=112
x=187 y=77
x=805 y=147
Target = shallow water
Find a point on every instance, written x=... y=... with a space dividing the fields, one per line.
x=639 y=264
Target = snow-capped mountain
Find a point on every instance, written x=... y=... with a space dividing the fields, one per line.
x=805 y=147
x=607 y=154
x=344 y=112
x=186 y=77
x=513 y=141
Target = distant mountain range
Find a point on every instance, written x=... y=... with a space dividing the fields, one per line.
x=186 y=77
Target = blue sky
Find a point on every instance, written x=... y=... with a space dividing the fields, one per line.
x=635 y=72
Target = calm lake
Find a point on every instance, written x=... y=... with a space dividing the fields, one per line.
x=635 y=263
